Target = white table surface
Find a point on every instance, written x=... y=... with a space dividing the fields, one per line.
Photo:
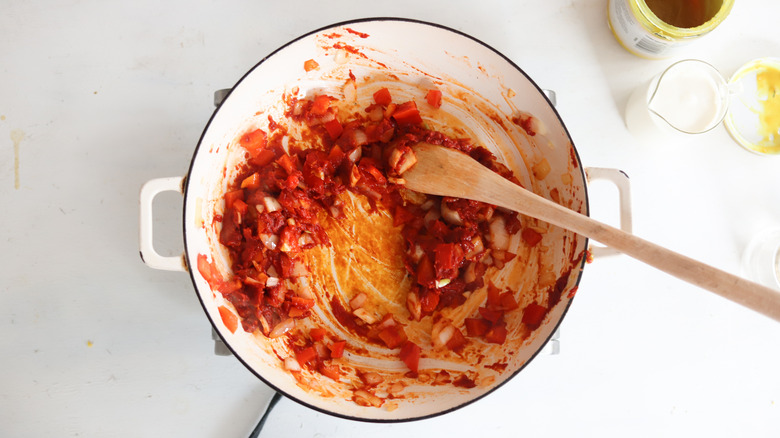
x=106 y=95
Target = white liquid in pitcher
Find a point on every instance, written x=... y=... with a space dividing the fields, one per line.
x=688 y=98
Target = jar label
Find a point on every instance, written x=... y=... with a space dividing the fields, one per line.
x=636 y=38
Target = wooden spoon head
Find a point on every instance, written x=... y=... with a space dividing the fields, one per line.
x=445 y=171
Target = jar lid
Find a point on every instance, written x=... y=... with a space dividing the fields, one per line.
x=753 y=118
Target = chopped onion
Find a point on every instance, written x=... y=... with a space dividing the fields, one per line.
x=443 y=282
x=282 y=328
x=322 y=350
x=414 y=306
x=271 y=271
x=365 y=315
x=291 y=364
x=470 y=273
x=304 y=289
x=260 y=208
x=359 y=137
x=427 y=205
x=355 y=154
x=350 y=91
x=443 y=336
x=372 y=379
x=450 y=215
x=431 y=216
x=499 y=237
x=358 y=301
x=418 y=253
x=478 y=247
x=272 y=281
x=269 y=240
x=376 y=114
x=271 y=204
x=365 y=398
x=286 y=144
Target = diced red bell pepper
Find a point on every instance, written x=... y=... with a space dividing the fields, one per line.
x=491 y=315
x=320 y=105
x=434 y=98
x=477 y=327
x=262 y=158
x=332 y=371
x=317 y=334
x=310 y=65
x=533 y=314
x=493 y=296
x=410 y=355
x=425 y=273
x=393 y=336
x=531 y=236
x=496 y=334
x=337 y=349
x=251 y=182
x=240 y=206
x=334 y=128
x=383 y=97
x=429 y=300
x=228 y=318
x=457 y=341
x=231 y=197
x=448 y=259
x=407 y=113
x=305 y=355
x=508 y=301
x=253 y=141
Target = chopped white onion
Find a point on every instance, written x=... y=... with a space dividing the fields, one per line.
x=299 y=269
x=271 y=204
x=478 y=247
x=291 y=364
x=431 y=216
x=470 y=273
x=449 y=215
x=304 y=289
x=499 y=237
x=272 y=281
x=443 y=336
x=372 y=379
x=365 y=315
x=355 y=154
x=358 y=301
x=427 y=205
x=269 y=240
x=350 y=91
x=360 y=138
x=282 y=328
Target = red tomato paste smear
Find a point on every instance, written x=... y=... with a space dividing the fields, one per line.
x=273 y=211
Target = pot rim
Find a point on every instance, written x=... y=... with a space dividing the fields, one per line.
x=586 y=204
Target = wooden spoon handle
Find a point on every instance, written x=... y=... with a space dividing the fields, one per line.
x=489 y=187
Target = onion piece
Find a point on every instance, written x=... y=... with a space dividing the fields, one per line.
x=365 y=398
x=355 y=154
x=304 y=289
x=271 y=204
x=269 y=240
x=350 y=91
x=291 y=364
x=499 y=237
x=443 y=335
x=450 y=215
x=372 y=379
x=365 y=315
x=358 y=301
x=272 y=281
x=282 y=328
x=478 y=247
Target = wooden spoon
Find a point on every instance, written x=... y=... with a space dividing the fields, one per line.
x=448 y=172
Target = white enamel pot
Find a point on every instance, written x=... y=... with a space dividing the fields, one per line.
x=487 y=93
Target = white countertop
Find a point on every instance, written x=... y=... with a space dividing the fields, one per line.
x=106 y=95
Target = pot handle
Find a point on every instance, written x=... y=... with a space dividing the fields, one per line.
x=621 y=182
x=149 y=191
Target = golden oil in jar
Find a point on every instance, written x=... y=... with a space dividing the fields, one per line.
x=657 y=29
